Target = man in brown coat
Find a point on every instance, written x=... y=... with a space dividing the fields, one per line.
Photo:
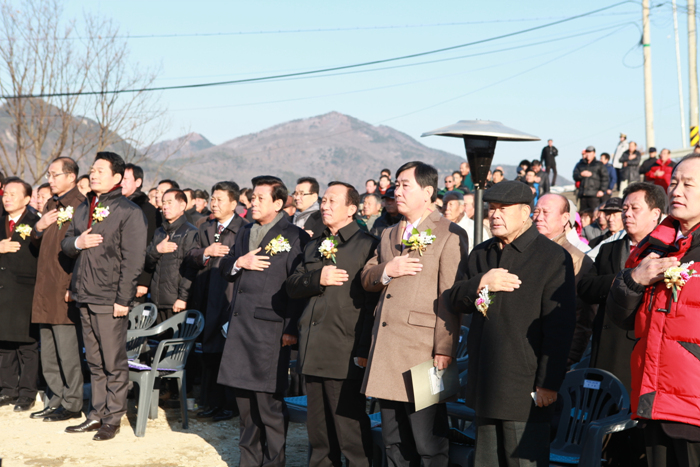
x=413 y=320
x=52 y=307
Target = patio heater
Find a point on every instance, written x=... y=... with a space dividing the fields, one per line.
x=480 y=138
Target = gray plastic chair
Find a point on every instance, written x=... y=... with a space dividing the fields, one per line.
x=140 y=317
x=169 y=362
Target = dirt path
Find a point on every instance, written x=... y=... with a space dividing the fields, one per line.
x=27 y=442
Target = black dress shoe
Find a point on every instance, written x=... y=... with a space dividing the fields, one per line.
x=24 y=403
x=7 y=400
x=106 y=432
x=61 y=415
x=223 y=415
x=208 y=413
x=87 y=425
x=44 y=413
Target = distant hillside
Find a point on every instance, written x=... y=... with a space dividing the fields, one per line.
x=180 y=147
x=329 y=147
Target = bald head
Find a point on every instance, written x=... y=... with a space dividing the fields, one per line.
x=551 y=215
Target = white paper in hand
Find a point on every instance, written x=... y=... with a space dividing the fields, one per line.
x=437 y=384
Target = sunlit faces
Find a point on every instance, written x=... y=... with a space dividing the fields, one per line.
x=172 y=207
x=335 y=211
x=411 y=198
x=684 y=192
x=370 y=207
x=639 y=220
x=160 y=191
x=303 y=198
x=59 y=181
x=14 y=199
x=507 y=220
x=102 y=180
x=453 y=210
x=549 y=216
x=129 y=184
x=222 y=206
x=262 y=206
x=614 y=219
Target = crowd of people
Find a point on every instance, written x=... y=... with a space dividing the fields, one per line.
x=359 y=289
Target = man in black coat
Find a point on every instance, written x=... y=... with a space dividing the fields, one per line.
x=108 y=238
x=263 y=324
x=19 y=348
x=212 y=294
x=593 y=179
x=131 y=188
x=521 y=294
x=548 y=158
x=335 y=331
x=390 y=214
x=165 y=256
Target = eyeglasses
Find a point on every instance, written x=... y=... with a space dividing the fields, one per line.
x=295 y=194
x=49 y=175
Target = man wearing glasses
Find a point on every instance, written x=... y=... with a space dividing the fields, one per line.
x=308 y=215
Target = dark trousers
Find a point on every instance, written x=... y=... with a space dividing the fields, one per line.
x=664 y=451
x=263 y=428
x=105 y=351
x=588 y=202
x=505 y=443
x=213 y=393
x=19 y=369
x=61 y=366
x=415 y=438
x=554 y=170
x=337 y=422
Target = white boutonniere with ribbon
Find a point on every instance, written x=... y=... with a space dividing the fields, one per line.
x=483 y=302
x=420 y=240
x=101 y=212
x=65 y=215
x=676 y=277
x=328 y=248
x=279 y=244
x=23 y=230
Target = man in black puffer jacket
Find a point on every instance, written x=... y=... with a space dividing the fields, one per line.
x=165 y=256
x=593 y=179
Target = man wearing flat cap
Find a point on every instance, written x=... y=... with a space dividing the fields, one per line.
x=519 y=287
x=592 y=178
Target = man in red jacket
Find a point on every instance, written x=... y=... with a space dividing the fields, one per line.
x=660 y=172
x=659 y=298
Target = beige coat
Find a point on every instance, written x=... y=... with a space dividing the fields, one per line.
x=413 y=320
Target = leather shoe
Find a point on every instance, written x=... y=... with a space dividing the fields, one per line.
x=223 y=415
x=61 y=415
x=24 y=403
x=106 y=432
x=208 y=413
x=7 y=400
x=44 y=413
x=87 y=425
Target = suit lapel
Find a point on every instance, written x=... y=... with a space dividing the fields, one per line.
x=427 y=223
x=276 y=230
x=396 y=237
x=245 y=237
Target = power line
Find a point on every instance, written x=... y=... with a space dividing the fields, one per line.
x=313 y=72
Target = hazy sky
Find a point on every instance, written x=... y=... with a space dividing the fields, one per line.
x=579 y=82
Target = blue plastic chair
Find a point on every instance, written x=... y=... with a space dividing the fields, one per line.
x=169 y=362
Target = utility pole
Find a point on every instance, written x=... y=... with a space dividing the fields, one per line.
x=693 y=73
x=680 y=80
x=648 y=95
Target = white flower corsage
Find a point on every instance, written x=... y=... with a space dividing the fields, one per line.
x=23 y=230
x=328 y=248
x=65 y=215
x=676 y=277
x=278 y=244
x=420 y=240
x=101 y=212
x=484 y=301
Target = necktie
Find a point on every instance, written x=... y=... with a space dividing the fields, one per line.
x=220 y=229
x=12 y=226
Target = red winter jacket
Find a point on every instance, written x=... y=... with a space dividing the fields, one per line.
x=664 y=180
x=666 y=359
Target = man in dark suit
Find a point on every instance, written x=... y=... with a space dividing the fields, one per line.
x=335 y=331
x=108 y=239
x=263 y=324
x=307 y=215
x=521 y=332
x=212 y=294
x=19 y=354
